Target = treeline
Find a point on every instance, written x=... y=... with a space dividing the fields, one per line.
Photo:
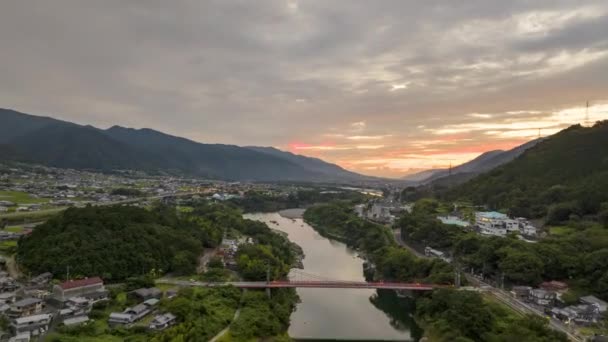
x=563 y=178
x=337 y=220
x=256 y=201
x=580 y=257
x=462 y=316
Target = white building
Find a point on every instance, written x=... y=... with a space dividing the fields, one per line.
x=498 y=224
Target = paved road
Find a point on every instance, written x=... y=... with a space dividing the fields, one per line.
x=400 y=242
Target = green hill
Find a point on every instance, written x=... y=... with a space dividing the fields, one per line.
x=563 y=177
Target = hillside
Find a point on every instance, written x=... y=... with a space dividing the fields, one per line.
x=332 y=172
x=483 y=163
x=112 y=242
x=47 y=141
x=565 y=174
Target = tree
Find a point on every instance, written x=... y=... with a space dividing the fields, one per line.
x=521 y=267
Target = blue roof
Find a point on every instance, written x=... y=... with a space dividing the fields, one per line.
x=492 y=214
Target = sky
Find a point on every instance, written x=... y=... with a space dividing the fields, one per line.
x=385 y=87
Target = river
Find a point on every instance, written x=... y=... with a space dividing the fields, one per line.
x=344 y=314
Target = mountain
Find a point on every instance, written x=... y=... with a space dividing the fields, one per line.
x=328 y=170
x=562 y=175
x=421 y=175
x=52 y=142
x=483 y=163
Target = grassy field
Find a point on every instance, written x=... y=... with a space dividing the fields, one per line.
x=20 y=197
x=31 y=216
x=560 y=230
x=14 y=229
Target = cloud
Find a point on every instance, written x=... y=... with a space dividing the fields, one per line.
x=273 y=72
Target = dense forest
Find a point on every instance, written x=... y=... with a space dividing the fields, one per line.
x=579 y=257
x=337 y=220
x=562 y=178
x=114 y=242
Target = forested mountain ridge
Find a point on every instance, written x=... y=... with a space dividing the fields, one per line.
x=482 y=163
x=57 y=143
x=565 y=174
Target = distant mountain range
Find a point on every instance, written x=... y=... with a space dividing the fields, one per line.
x=461 y=173
x=57 y=143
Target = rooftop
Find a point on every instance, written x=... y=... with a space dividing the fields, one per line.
x=70 y=284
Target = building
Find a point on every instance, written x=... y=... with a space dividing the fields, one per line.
x=41 y=279
x=542 y=297
x=73 y=321
x=36 y=324
x=26 y=307
x=497 y=224
x=79 y=288
x=554 y=285
x=601 y=305
x=521 y=292
x=118 y=318
x=161 y=322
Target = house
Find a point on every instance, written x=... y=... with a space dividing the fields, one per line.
x=542 y=297
x=36 y=324
x=73 y=321
x=161 y=322
x=118 y=318
x=580 y=314
x=26 y=307
x=138 y=311
x=602 y=305
x=41 y=279
x=78 y=288
x=521 y=292
x=8 y=284
x=79 y=305
x=146 y=293
x=7 y=297
x=554 y=285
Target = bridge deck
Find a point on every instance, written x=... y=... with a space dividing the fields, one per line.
x=311 y=284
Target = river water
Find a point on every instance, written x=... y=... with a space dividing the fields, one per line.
x=345 y=314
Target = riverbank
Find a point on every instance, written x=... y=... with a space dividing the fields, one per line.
x=338 y=314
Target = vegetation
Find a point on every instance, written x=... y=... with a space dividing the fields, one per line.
x=255 y=201
x=464 y=316
x=337 y=220
x=202 y=313
x=20 y=197
x=580 y=256
x=562 y=178
x=114 y=242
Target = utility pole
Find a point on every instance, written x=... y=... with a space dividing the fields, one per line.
x=587 y=114
x=268 y=281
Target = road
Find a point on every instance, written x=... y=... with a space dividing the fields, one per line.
x=400 y=242
x=305 y=284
